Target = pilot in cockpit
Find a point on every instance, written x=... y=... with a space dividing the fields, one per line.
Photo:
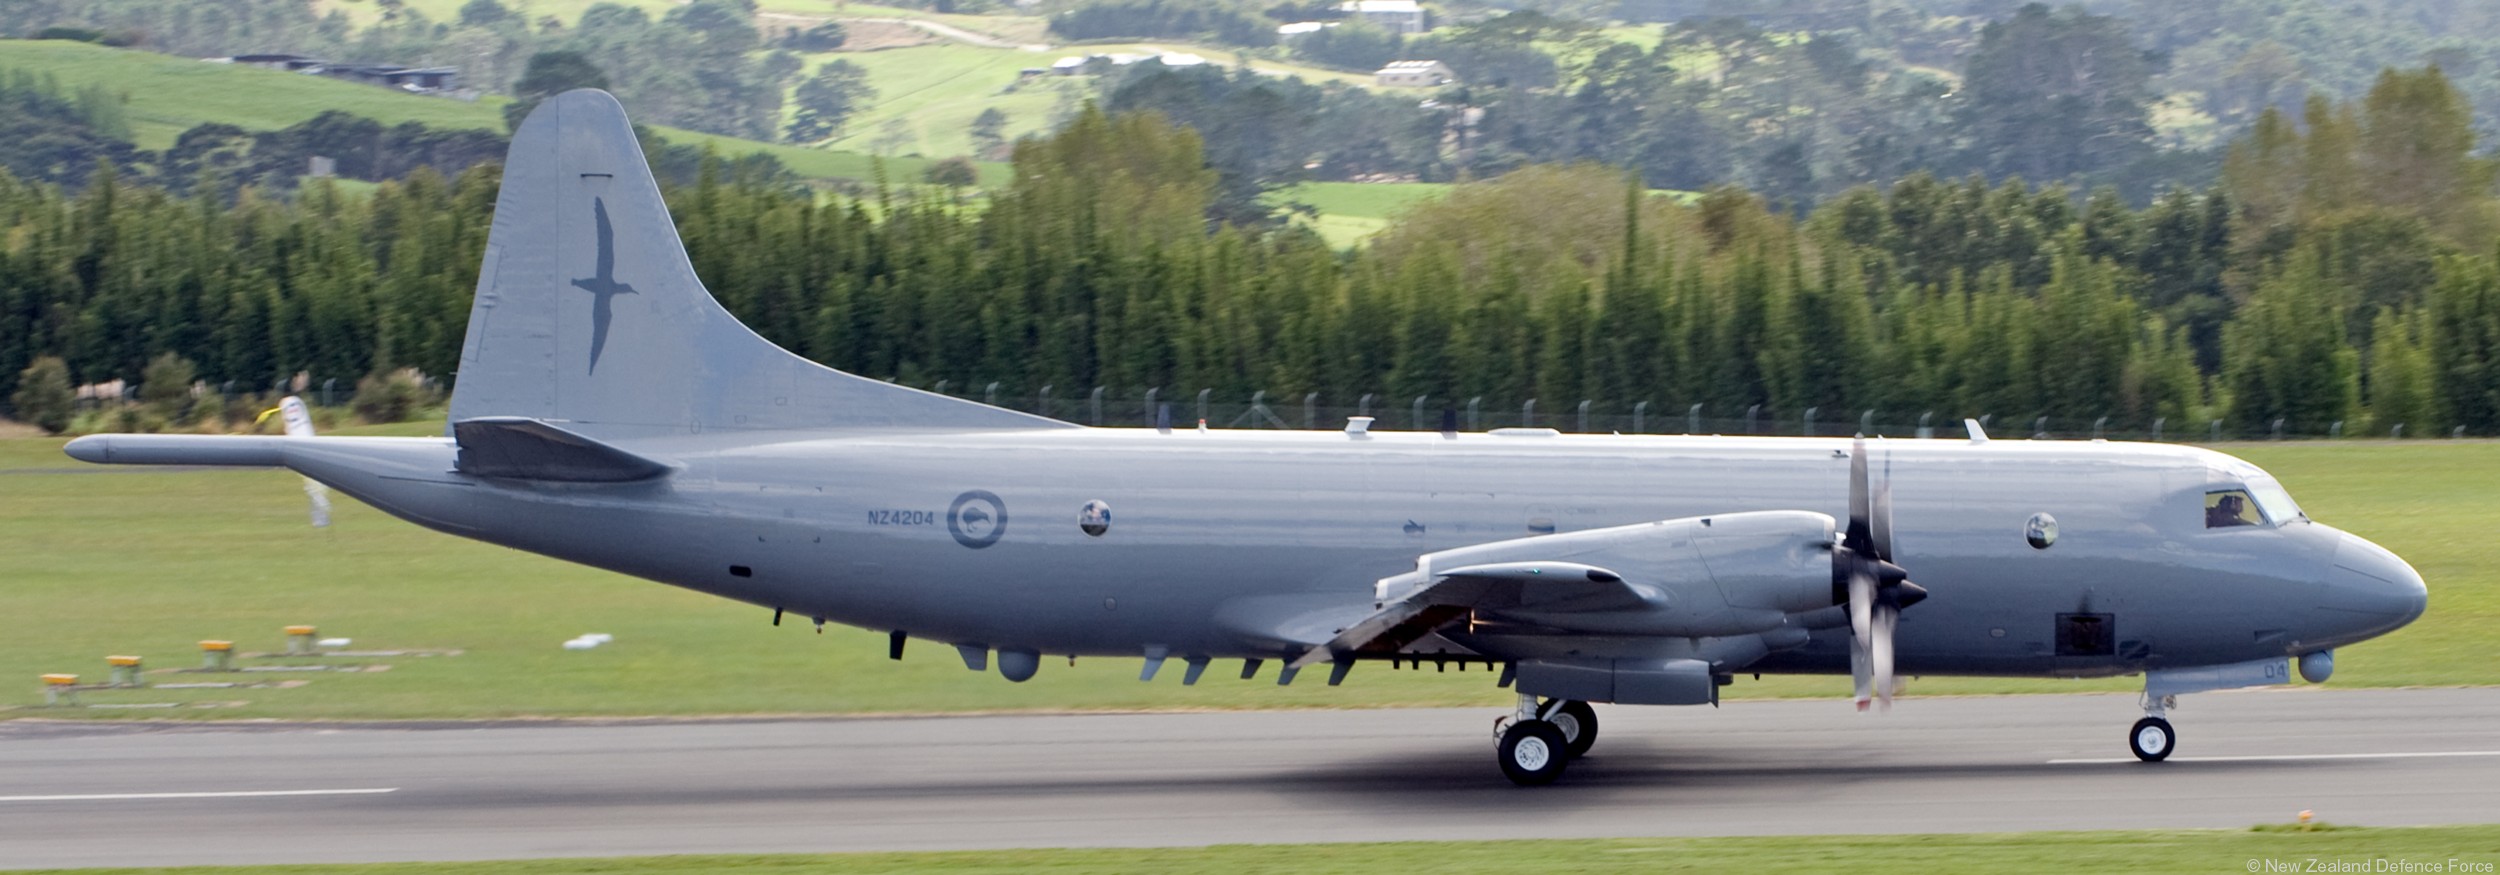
x=2228 y=509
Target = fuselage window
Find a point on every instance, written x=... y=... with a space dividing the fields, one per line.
x=2230 y=507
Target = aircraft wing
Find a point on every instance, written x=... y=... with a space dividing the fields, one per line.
x=1744 y=574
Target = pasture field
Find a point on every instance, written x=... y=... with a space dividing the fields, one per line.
x=933 y=92
x=2200 y=852
x=1351 y=212
x=169 y=95
x=107 y=560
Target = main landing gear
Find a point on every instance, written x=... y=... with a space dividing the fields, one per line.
x=1539 y=739
x=2152 y=739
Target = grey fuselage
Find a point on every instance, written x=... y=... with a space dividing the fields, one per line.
x=1261 y=544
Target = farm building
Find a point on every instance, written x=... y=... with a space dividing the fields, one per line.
x=1415 y=74
x=1395 y=16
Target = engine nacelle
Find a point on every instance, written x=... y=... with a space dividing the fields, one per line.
x=1724 y=575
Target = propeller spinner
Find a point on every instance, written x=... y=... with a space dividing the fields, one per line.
x=1864 y=576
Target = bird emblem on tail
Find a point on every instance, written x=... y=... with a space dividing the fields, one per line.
x=602 y=284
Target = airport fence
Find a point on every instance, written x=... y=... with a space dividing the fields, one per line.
x=1103 y=406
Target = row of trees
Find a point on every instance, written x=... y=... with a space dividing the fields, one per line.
x=1097 y=267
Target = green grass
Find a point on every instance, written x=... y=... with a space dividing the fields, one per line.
x=1351 y=212
x=1367 y=200
x=169 y=95
x=150 y=562
x=124 y=560
x=936 y=90
x=2201 y=852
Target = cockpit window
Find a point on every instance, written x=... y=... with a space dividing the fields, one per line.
x=2276 y=503
x=2230 y=507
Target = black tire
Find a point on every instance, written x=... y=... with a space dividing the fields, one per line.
x=1578 y=723
x=1533 y=753
x=2152 y=739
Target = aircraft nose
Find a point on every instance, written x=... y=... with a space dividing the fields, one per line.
x=2370 y=591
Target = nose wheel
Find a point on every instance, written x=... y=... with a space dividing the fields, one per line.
x=2151 y=739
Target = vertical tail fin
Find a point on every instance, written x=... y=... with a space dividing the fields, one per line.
x=588 y=312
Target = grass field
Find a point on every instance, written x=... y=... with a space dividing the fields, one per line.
x=936 y=90
x=132 y=560
x=1351 y=212
x=169 y=95
x=2197 y=852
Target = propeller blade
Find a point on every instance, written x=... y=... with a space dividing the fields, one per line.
x=1879 y=525
x=1860 y=671
x=1859 y=537
x=1861 y=603
x=1879 y=653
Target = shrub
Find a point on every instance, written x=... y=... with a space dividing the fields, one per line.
x=165 y=387
x=44 y=397
x=392 y=397
x=956 y=172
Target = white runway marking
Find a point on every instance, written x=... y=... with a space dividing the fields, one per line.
x=223 y=794
x=2297 y=757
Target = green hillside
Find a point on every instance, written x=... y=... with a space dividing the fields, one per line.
x=928 y=95
x=168 y=95
x=933 y=90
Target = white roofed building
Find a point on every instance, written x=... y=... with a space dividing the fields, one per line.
x=1415 y=74
x=1395 y=16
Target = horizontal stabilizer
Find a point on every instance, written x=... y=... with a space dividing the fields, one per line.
x=249 y=451
x=528 y=449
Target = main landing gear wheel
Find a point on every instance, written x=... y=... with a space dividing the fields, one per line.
x=1533 y=753
x=2152 y=739
x=1578 y=723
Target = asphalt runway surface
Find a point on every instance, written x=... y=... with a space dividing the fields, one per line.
x=160 y=794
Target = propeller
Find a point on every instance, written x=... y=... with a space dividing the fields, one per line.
x=1865 y=578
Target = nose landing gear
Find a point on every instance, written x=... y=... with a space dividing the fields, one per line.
x=2152 y=739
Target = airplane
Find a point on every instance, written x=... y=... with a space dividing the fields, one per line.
x=654 y=435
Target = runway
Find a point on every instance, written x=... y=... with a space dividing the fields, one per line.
x=156 y=794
